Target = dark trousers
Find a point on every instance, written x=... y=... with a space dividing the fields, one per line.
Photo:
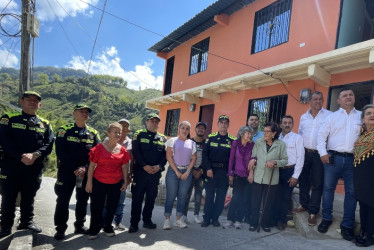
x=240 y=197
x=143 y=184
x=216 y=190
x=198 y=185
x=284 y=193
x=102 y=192
x=367 y=219
x=22 y=179
x=258 y=197
x=64 y=188
x=311 y=177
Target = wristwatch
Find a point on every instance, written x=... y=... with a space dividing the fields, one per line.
x=37 y=154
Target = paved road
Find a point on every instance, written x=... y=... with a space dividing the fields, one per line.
x=193 y=237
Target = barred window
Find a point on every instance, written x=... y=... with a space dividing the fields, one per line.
x=271 y=26
x=199 y=56
x=172 y=120
x=270 y=109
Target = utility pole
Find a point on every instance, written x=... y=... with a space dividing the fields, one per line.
x=24 y=72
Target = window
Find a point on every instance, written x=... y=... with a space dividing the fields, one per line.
x=199 y=56
x=169 y=75
x=271 y=26
x=270 y=109
x=172 y=120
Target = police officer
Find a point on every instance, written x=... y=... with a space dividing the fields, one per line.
x=26 y=139
x=148 y=147
x=216 y=154
x=73 y=144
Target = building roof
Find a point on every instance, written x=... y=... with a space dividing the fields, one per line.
x=198 y=24
x=319 y=68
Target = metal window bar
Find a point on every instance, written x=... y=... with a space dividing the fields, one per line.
x=271 y=26
x=172 y=120
x=269 y=109
x=199 y=56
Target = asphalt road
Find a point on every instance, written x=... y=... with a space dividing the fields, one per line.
x=193 y=237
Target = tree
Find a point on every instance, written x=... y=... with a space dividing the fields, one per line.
x=42 y=79
x=57 y=78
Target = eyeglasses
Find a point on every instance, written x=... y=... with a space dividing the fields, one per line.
x=265 y=132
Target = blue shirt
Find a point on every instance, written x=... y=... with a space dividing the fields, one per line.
x=258 y=135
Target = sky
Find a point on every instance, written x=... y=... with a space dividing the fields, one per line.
x=128 y=29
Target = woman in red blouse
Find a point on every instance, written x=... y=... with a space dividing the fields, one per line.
x=107 y=166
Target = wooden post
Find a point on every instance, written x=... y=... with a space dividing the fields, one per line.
x=24 y=72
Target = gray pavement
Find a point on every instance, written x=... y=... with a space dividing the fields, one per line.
x=193 y=237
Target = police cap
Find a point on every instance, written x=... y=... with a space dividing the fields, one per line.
x=153 y=115
x=28 y=93
x=82 y=106
x=223 y=117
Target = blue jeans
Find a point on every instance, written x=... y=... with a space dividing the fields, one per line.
x=343 y=166
x=176 y=188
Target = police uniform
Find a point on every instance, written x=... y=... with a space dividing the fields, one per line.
x=216 y=154
x=148 y=148
x=72 y=147
x=22 y=133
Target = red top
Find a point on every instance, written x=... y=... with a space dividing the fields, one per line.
x=109 y=166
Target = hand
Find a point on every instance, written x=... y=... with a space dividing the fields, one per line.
x=124 y=186
x=28 y=159
x=292 y=181
x=155 y=169
x=250 y=177
x=148 y=169
x=89 y=187
x=184 y=176
x=209 y=173
x=196 y=173
x=80 y=172
x=271 y=164
x=231 y=180
x=325 y=159
x=178 y=174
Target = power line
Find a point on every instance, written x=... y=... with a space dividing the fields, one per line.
x=6 y=6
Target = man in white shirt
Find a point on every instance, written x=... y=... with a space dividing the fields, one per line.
x=312 y=174
x=289 y=174
x=335 y=142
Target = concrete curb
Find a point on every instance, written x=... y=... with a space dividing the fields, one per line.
x=301 y=219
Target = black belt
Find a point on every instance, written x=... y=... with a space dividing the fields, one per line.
x=218 y=165
x=290 y=166
x=344 y=154
x=311 y=150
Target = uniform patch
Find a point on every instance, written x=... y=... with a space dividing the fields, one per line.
x=61 y=133
x=4 y=121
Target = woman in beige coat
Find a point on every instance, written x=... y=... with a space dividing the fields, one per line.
x=270 y=154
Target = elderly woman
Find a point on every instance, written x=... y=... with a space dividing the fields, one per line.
x=270 y=154
x=181 y=155
x=108 y=165
x=363 y=177
x=240 y=154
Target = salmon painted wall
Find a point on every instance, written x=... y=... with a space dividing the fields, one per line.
x=313 y=22
x=236 y=105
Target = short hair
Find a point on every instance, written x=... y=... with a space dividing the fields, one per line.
x=315 y=93
x=274 y=128
x=113 y=125
x=367 y=106
x=242 y=131
x=287 y=116
x=253 y=115
x=184 y=123
x=344 y=89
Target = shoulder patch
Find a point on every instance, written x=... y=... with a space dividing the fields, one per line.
x=13 y=114
x=67 y=126
x=232 y=137
x=213 y=134
x=92 y=130
x=43 y=119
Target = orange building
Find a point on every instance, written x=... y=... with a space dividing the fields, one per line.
x=238 y=57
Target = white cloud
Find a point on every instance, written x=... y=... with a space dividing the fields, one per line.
x=9 y=6
x=8 y=59
x=62 y=7
x=108 y=63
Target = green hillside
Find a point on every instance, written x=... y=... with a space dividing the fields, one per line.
x=108 y=96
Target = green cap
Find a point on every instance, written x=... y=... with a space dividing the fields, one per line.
x=223 y=117
x=28 y=93
x=153 y=115
x=82 y=106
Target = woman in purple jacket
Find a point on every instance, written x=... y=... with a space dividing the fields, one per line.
x=241 y=151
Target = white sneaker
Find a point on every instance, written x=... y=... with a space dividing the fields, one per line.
x=228 y=224
x=197 y=219
x=167 y=225
x=238 y=225
x=179 y=223
x=119 y=227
